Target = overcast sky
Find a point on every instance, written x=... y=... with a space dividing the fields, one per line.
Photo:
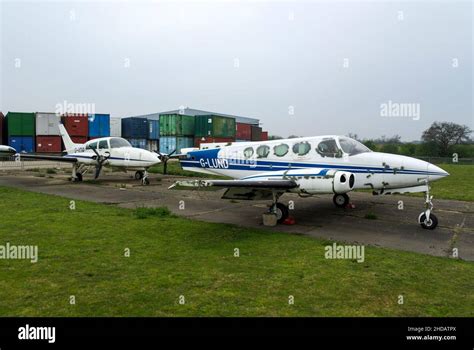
x=304 y=68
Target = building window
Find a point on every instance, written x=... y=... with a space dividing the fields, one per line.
x=301 y=148
x=281 y=150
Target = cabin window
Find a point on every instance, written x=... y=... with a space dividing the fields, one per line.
x=281 y=150
x=118 y=142
x=328 y=148
x=301 y=148
x=263 y=151
x=248 y=152
x=103 y=144
x=92 y=145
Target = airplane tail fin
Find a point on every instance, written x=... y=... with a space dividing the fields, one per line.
x=68 y=144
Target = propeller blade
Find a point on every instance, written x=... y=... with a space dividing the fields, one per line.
x=172 y=152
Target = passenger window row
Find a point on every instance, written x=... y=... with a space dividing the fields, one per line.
x=325 y=148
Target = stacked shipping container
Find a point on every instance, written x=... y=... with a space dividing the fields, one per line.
x=214 y=128
x=48 y=136
x=3 y=140
x=99 y=125
x=176 y=132
x=135 y=130
x=116 y=127
x=21 y=131
x=77 y=126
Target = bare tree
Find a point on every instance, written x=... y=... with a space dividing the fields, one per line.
x=446 y=134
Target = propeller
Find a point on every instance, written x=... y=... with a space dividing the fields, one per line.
x=164 y=158
x=100 y=161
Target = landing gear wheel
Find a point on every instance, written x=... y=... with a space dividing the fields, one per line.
x=145 y=181
x=78 y=177
x=138 y=175
x=340 y=200
x=430 y=224
x=281 y=211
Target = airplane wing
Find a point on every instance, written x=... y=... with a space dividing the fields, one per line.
x=239 y=189
x=53 y=158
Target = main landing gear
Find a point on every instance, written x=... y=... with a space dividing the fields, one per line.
x=76 y=173
x=142 y=175
x=427 y=219
x=340 y=200
x=279 y=209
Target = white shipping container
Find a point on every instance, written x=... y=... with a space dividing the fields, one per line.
x=152 y=145
x=47 y=124
x=116 y=127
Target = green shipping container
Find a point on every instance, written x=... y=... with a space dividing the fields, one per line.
x=21 y=124
x=176 y=125
x=214 y=126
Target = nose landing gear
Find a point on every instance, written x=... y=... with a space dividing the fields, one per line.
x=142 y=175
x=427 y=219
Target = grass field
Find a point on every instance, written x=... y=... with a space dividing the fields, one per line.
x=81 y=253
x=459 y=185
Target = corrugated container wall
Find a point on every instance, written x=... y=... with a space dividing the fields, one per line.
x=264 y=136
x=153 y=129
x=153 y=145
x=48 y=144
x=170 y=143
x=99 y=125
x=176 y=125
x=22 y=143
x=116 y=127
x=138 y=143
x=47 y=124
x=79 y=139
x=135 y=128
x=256 y=133
x=76 y=125
x=3 y=139
x=20 y=124
x=214 y=126
x=244 y=131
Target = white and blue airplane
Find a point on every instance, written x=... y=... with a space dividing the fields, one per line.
x=309 y=166
x=105 y=151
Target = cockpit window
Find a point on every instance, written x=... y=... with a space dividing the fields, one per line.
x=117 y=143
x=103 y=144
x=301 y=148
x=248 y=152
x=281 y=150
x=352 y=147
x=328 y=148
x=263 y=151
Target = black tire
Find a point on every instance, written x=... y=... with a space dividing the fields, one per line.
x=138 y=175
x=79 y=177
x=282 y=212
x=431 y=225
x=340 y=200
x=146 y=182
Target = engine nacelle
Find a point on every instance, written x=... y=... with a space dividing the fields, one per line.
x=334 y=181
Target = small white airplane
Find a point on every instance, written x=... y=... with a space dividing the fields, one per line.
x=105 y=151
x=6 y=151
x=309 y=166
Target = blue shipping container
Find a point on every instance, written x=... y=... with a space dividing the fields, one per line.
x=135 y=128
x=170 y=143
x=138 y=143
x=22 y=143
x=99 y=125
x=153 y=129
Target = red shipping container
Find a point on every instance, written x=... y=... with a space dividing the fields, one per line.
x=76 y=124
x=244 y=131
x=3 y=139
x=264 y=136
x=199 y=140
x=48 y=144
x=79 y=139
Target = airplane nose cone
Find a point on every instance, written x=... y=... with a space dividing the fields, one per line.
x=435 y=172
